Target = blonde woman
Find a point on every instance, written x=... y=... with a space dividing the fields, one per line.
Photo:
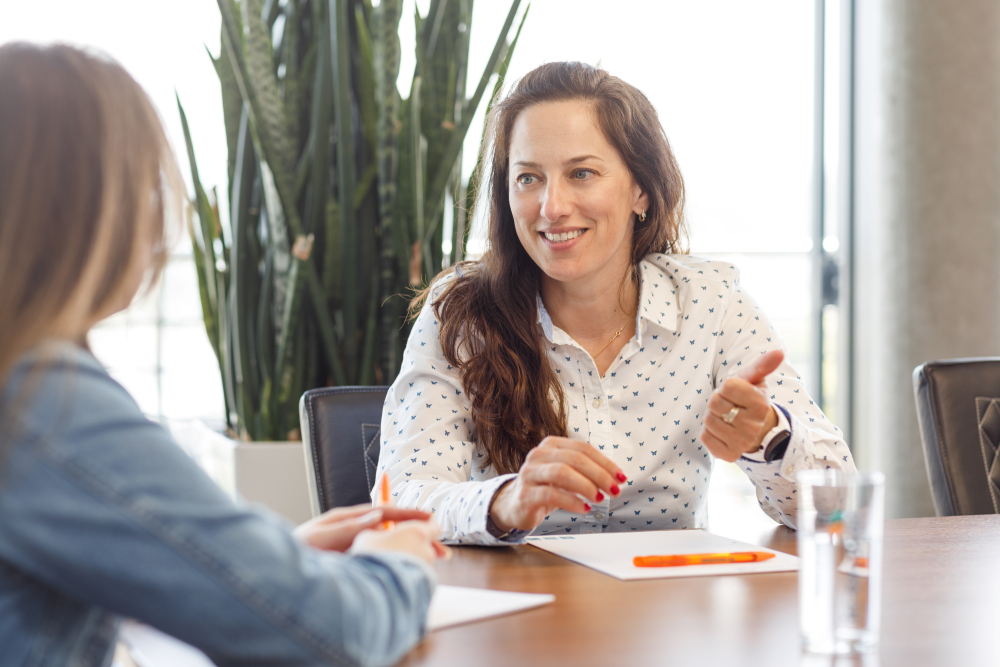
x=102 y=516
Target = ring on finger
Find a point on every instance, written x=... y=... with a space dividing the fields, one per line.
x=730 y=416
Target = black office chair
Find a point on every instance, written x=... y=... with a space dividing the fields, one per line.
x=958 y=408
x=341 y=431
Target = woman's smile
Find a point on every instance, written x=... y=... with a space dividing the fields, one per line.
x=562 y=239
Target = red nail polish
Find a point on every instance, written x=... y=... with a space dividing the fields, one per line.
x=615 y=490
x=587 y=505
x=621 y=476
x=600 y=496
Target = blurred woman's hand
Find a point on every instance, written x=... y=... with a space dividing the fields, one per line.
x=419 y=538
x=554 y=476
x=335 y=530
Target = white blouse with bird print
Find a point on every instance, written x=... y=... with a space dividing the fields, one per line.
x=695 y=327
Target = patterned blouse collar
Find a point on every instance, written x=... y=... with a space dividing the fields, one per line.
x=658 y=294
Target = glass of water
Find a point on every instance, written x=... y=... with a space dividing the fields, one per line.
x=840 y=546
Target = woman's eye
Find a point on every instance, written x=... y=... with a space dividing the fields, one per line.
x=525 y=179
x=580 y=174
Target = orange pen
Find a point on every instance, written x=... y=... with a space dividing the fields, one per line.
x=385 y=501
x=701 y=559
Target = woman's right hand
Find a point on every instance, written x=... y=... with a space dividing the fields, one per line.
x=419 y=538
x=554 y=475
x=335 y=529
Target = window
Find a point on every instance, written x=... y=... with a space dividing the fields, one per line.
x=733 y=83
x=751 y=112
x=749 y=97
x=157 y=348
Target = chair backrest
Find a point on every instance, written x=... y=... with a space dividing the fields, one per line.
x=341 y=431
x=957 y=429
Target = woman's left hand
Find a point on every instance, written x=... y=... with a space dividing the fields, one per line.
x=335 y=530
x=746 y=392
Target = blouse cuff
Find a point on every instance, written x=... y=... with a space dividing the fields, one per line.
x=477 y=531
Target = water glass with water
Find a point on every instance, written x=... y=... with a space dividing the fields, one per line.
x=840 y=522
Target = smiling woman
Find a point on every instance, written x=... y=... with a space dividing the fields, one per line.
x=558 y=114
x=575 y=218
x=583 y=375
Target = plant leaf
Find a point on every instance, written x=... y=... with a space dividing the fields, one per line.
x=320 y=118
x=367 y=103
x=205 y=236
x=232 y=106
x=211 y=281
x=438 y=184
x=282 y=258
x=475 y=178
x=244 y=283
x=271 y=153
x=288 y=57
x=340 y=44
x=386 y=48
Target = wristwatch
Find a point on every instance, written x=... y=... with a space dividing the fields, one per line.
x=775 y=449
x=775 y=442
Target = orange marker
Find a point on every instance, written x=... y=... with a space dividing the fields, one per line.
x=701 y=559
x=385 y=501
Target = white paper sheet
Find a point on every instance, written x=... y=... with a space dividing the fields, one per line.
x=454 y=605
x=451 y=605
x=151 y=648
x=612 y=553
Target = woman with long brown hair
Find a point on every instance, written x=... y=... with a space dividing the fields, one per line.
x=102 y=515
x=585 y=373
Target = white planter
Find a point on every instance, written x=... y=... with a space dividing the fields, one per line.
x=270 y=473
x=274 y=474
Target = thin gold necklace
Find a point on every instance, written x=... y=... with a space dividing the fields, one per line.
x=613 y=338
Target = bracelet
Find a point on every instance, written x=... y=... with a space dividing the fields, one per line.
x=491 y=527
x=495 y=531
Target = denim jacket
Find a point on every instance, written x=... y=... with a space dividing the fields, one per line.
x=103 y=516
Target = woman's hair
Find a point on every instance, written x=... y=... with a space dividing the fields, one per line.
x=87 y=185
x=488 y=313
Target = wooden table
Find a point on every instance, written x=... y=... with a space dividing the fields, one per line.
x=941 y=606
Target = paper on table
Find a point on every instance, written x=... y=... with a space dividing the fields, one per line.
x=151 y=648
x=451 y=605
x=454 y=605
x=612 y=553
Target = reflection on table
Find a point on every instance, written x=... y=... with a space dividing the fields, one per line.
x=940 y=606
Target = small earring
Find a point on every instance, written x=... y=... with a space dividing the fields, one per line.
x=642 y=216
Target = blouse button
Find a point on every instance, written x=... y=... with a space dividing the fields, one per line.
x=597 y=403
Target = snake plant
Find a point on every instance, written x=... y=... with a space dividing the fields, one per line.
x=337 y=193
